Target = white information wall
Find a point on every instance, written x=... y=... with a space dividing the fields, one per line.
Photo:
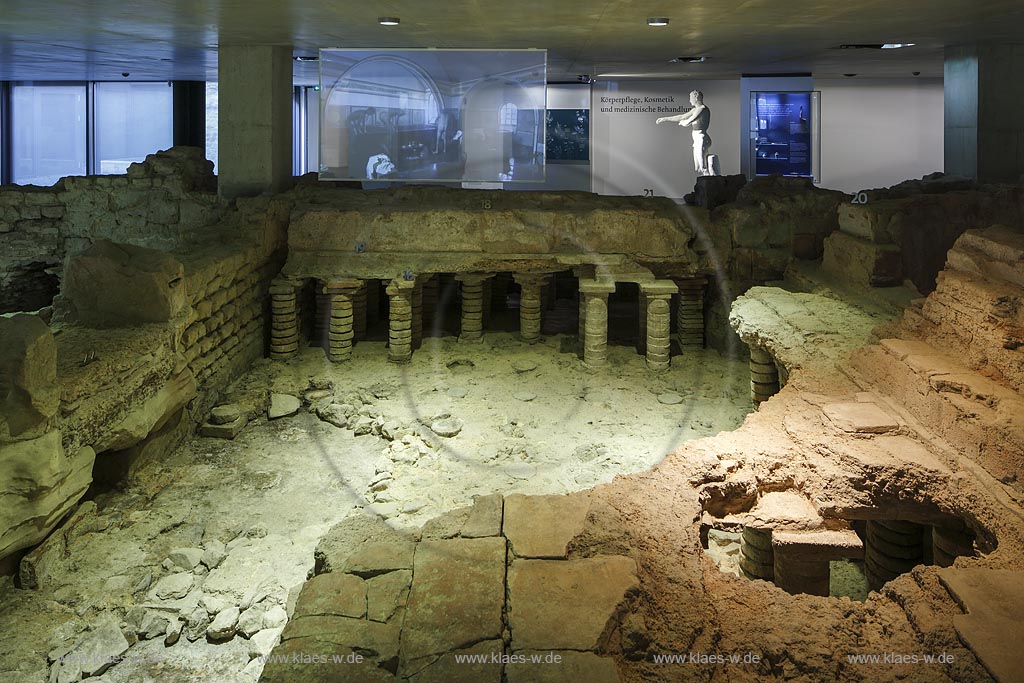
x=631 y=155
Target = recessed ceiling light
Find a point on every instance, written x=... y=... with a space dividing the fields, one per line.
x=657 y=21
x=389 y=21
x=305 y=58
x=849 y=75
x=687 y=60
x=896 y=46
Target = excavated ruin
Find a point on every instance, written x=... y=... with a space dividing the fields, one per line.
x=437 y=435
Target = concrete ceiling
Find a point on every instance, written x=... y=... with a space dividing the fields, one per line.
x=178 y=39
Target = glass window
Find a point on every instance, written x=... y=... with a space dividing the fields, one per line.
x=211 y=123
x=48 y=124
x=132 y=120
x=509 y=115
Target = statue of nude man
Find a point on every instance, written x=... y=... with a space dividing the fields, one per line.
x=699 y=119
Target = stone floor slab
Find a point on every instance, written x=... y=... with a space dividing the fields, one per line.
x=333 y=594
x=484 y=517
x=861 y=418
x=565 y=605
x=994 y=600
x=542 y=667
x=543 y=526
x=448 y=669
x=311 y=660
x=457 y=596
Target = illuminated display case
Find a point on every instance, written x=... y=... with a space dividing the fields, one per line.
x=785 y=134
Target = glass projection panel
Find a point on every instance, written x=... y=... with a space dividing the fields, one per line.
x=432 y=115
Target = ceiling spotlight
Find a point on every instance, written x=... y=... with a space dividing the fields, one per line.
x=896 y=46
x=687 y=60
x=657 y=21
x=849 y=75
x=389 y=21
x=583 y=78
x=305 y=58
x=861 y=46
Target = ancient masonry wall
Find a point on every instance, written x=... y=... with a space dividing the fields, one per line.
x=162 y=203
x=224 y=330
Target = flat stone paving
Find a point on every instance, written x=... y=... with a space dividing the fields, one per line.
x=994 y=601
x=466 y=610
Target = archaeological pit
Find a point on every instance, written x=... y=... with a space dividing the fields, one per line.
x=428 y=434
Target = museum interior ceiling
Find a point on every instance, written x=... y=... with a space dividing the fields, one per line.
x=290 y=421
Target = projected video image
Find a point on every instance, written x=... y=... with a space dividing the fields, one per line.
x=568 y=136
x=432 y=115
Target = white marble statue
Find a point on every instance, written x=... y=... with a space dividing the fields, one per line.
x=699 y=119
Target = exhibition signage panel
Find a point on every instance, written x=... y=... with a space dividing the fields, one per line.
x=433 y=115
x=785 y=135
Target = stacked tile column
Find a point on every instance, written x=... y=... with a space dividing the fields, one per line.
x=891 y=548
x=472 y=306
x=400 y=320
x=757 y=559
x=764 y=377
x=341 y=294
x=284 y=319
x=530 y=304
x=951 y=542
x=595 y=336
x=690 y=311
x=658 y=295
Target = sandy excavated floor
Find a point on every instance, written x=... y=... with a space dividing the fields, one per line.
x=533 y=420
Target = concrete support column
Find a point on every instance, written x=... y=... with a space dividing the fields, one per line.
x=430 y=294
x=530 y=304
x=764 y=376
x=255 y=124
x=417 y=314
x=891 y=548
x=757 y=560
x=658 y=295
x=472 y=306
x=340 y=334
x=984 y=132
x=400 y=321
x=690 y=311
x=359 y=319
x=284 y=319
x=595 y=335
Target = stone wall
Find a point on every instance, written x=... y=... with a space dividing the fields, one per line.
x=752 y=240
x=138 y=351
x=164 y=202
x=903 y=233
